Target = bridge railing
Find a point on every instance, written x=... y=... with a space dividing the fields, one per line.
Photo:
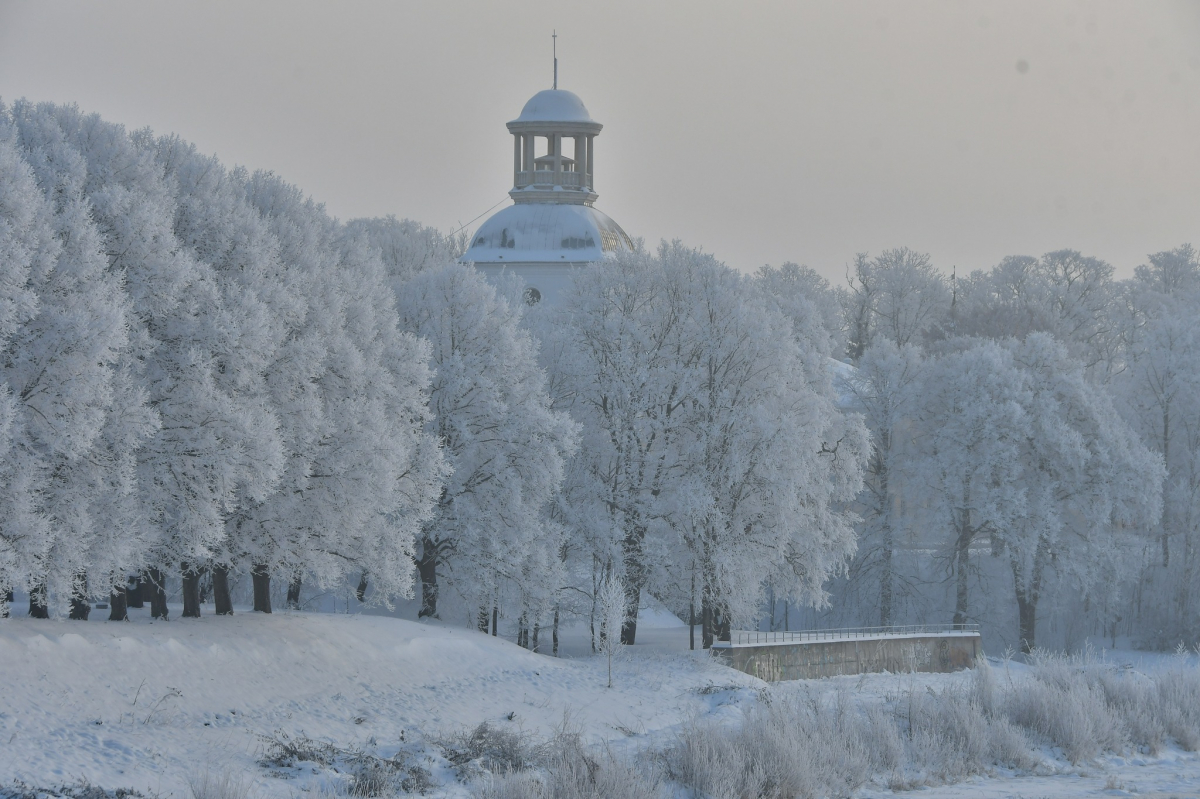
x=752 y=637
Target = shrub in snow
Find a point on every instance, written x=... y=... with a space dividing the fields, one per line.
x=565 y=769
x=81 y=790
x=358 y=771
x=952 y=737
x=1065 y=707
x=490 y=749
x=222 y=784
x=799 y=746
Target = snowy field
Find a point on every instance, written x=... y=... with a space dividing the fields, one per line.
x=158 y=706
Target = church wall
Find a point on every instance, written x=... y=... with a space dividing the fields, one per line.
x=550 y=280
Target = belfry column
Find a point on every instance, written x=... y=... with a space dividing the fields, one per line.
x=591 y=147
x=529 y=165
x=516 y=159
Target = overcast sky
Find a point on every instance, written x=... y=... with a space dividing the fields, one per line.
x=762 y=132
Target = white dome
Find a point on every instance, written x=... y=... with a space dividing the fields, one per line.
x=554 y=105
x=546 y=233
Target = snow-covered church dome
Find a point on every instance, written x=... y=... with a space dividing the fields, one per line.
x=551 y=226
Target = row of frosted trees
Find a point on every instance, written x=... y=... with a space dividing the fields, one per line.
x=1035 y=431
x=205 y=377
x=201 y=372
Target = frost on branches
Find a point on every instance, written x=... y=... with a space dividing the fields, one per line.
x=714 y=458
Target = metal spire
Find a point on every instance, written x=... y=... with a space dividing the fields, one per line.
x=554 y=36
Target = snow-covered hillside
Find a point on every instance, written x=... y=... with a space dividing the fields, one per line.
x=157 y=706
x=150 y=705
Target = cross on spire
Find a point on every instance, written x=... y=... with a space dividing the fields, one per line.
x=554 y=36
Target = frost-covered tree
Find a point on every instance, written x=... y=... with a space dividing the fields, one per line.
x=216 y=438
x=966 y=470
x=614 y=612
x=712 y=443
x=884 y=388
x=504 y=444
x=217 y=373
x=26 y=252
x=361 y=475
x=407 y=248
x=1064 y=293
x=1158 y=386
x=1084 y=479
x=80 y=414
x=808 y=299
x=898 y=295
x=617 y=365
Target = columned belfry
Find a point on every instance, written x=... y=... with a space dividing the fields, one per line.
x=555 y=120
x=552 y=226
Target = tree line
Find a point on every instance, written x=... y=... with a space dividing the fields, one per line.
x=1034 y=440
x=206 y=378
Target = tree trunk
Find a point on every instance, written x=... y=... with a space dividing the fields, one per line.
x=361 y=591
x=592 y=616
x=633 y=600
x=191 y=591
x=555 y=634
x=962 y=563
x=427 y=569
x=293 y=595
x=1166 y=447
x=722 y=626
x=222 y=602
x=133 y=593
x=158 y=594
x=537 y=628
x=38 y=608
x=1027 y=623
x=887 y=545
x=495 y=619
x=523 y=631
x=80 y=607
x=635 y=578
x=692 y=613
x=262 y=588
x=706 y=632
x=8 y=600
x=482 y=620
x=692 y=622
x=117 y=604
x=1028 y=589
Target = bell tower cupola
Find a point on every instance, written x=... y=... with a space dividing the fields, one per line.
x=552 y=227
x=554 y=142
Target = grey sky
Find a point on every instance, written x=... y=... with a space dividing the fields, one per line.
x=763 y=132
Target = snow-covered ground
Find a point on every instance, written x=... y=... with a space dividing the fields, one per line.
x=152 y=705
x=149 y=704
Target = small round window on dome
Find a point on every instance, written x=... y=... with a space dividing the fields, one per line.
x=532 y=296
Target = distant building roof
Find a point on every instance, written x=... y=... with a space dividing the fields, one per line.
x=554 y=105
x=546 y=233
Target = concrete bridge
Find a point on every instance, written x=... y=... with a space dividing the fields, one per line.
x=808 y=654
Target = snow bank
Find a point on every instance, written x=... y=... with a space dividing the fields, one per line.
x=147 y=704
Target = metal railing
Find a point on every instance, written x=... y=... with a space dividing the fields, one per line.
x=546 y=177
x=752 y=637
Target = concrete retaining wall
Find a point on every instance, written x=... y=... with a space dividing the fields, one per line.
x=811 y=659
